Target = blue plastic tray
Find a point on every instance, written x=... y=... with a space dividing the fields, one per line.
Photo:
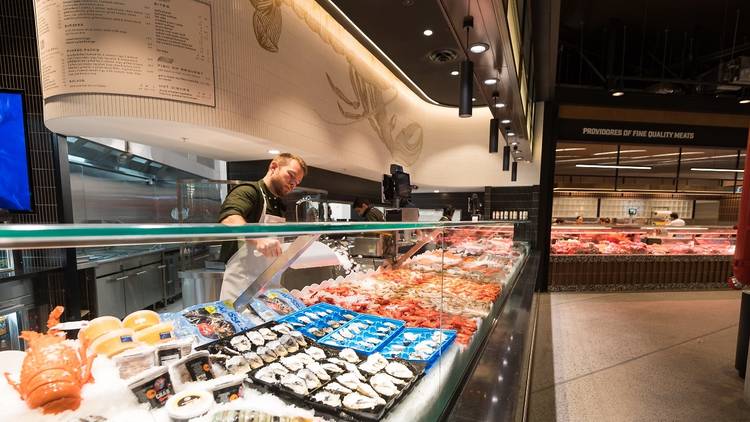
x=421 y=335
x=331 y=312
x=357 y=342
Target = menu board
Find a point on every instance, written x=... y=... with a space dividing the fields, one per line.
x=151 y=48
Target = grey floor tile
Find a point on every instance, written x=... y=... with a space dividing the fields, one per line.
x=638 y=357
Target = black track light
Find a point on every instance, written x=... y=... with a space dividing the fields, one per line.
x=506 y=158
x=467 y=87
x=467 y=73
x=514 y=171
x=494 y=130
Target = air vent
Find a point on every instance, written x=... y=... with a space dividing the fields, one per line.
x=443 y=55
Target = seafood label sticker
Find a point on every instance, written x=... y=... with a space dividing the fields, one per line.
x=126 y=339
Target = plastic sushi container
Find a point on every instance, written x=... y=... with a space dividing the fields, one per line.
x=365 y=334
x=319 y=320
x=406 y=345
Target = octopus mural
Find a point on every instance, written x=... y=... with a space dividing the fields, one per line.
x=370 y=101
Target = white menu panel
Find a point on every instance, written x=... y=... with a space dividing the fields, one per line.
x=152 y=48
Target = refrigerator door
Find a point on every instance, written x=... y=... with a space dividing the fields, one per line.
x=9 y=332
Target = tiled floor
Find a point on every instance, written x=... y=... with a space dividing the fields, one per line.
x=666 y=356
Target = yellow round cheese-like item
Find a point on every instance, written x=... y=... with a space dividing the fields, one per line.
x=139 y=320
x=98 y=327
x=114 y=342
x=156 y=334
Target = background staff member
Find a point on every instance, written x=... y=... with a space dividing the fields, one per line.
x=367 y=211
x=675 y=220
x=257 y=202
x=448 y=213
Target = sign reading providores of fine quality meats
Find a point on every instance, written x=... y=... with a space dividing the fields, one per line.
x=150 y=48
x=650 y=133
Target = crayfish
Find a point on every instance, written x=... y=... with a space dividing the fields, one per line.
x=53 y=372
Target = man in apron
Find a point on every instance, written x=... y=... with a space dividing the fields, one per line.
x=257 y=202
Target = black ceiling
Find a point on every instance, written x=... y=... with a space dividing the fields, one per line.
x=665 y=46
x=396 y=26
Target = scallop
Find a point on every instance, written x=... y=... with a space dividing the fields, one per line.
x=328 y=398
x=356 y=401
x=319 y=371
x=368 y=391
x=299 y=338
x=332 y=368
x=253 y=359
x=237 y=365
x=398 y=370
x=383 y=384
x=268 y=355
x=349 y=355
x=268 y=334
x=311 y=380
x=282 y=328
x=289 y=343
x=334 y=386
x=316 y=353
x=255 y=337
x=348 y=380
x=295 y=383
x=241 y=343
x=305 y=358
x=345 y=333
x=292 y=362
x=374 y=363
x=277 y=347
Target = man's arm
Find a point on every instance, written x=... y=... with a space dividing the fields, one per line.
x=233 y=220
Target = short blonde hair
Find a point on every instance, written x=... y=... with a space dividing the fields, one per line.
x=283 y=159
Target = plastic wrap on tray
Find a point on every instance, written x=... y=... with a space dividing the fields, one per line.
x=208 y=322
x=366 y=334
x=423 y=345
x=275 y=303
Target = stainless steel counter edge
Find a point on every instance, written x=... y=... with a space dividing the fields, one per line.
x=95 y=262
x=495 y=389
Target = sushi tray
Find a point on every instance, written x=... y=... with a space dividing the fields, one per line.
x=319 y=320
x=423 y=345
x=365 y=334
x=339 y=383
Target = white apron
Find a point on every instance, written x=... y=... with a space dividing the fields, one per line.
x=246 y=264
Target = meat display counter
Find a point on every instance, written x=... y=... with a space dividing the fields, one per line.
x=588 y=257
x=391 y=344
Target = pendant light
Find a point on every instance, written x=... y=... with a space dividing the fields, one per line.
x=467 y=75
x=494 y=127
x=514 y=171
x=506 y=158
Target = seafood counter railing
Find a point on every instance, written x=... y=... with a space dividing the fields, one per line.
x=392 y=344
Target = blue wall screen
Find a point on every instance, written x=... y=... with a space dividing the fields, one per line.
x=15 y=189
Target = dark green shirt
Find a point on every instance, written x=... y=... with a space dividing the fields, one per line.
x=246 y=200
x=373 y=214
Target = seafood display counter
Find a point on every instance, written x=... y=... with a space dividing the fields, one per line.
x=634 y=257
x=392 y=344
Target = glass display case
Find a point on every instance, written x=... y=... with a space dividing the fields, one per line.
x=349 y=343
x=633 y=257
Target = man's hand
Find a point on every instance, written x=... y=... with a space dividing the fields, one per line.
x=268 y=247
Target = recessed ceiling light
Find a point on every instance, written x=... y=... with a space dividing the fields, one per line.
x=519 y=158
x=427 y=32
x=617 y=93
x=455 y=72
x=479 y=47
x=274 y=151
x=514 y=143
x=437 y=191
x=511 y=133
x=505 y=121
x=490 y=81
x=607 y=166
x=745 y=101
x=501 y=105
x=473 y=99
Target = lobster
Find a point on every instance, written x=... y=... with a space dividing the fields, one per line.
x=53 y=372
